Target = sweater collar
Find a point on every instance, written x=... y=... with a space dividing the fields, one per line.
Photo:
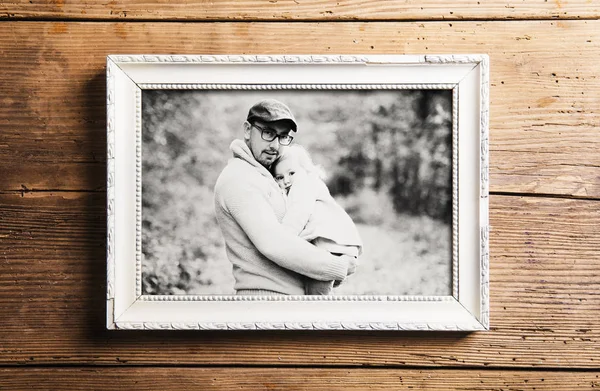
x=242 y=151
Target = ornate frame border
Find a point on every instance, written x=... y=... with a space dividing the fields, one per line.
x=128 y=75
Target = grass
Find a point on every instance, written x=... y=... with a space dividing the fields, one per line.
x=411 y=260
x=402 y=262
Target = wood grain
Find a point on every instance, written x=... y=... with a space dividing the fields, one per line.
x=545 y=278
x=287 y=10
x=544 y=298
x=544 y=112
x=291 y=379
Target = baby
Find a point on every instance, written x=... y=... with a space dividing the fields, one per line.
x=311 y=211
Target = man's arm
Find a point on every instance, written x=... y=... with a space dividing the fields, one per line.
x=252 y=211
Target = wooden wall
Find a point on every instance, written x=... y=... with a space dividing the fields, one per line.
x=545 y=193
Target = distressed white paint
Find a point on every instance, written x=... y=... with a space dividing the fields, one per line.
x=467 y=309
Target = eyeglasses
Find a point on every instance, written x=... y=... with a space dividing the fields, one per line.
x=269 y=135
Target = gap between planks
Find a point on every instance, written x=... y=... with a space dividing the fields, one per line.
x=492 y=193
x=371 y=367
x=4 y=18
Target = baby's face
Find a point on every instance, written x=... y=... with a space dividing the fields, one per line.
x=285 y=172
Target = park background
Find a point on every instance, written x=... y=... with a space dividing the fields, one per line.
x=544 y=193
x=387 y=157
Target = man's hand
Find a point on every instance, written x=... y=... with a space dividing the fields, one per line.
x=352 y=263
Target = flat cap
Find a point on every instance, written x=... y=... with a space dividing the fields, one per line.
x=271 y=110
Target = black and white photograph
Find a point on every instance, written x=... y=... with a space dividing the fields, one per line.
x=297 y=192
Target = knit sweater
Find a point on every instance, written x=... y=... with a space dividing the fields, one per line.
x=249 y=207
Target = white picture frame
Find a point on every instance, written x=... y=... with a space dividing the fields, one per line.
x=465 y=309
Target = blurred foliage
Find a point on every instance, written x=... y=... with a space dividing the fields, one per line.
x=387 y=155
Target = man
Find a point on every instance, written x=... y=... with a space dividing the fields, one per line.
x=267 y=258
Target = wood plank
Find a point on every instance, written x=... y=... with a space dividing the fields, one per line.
x=291 y=379
x=544 y=298
x=544 y=112
x=227 y=10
